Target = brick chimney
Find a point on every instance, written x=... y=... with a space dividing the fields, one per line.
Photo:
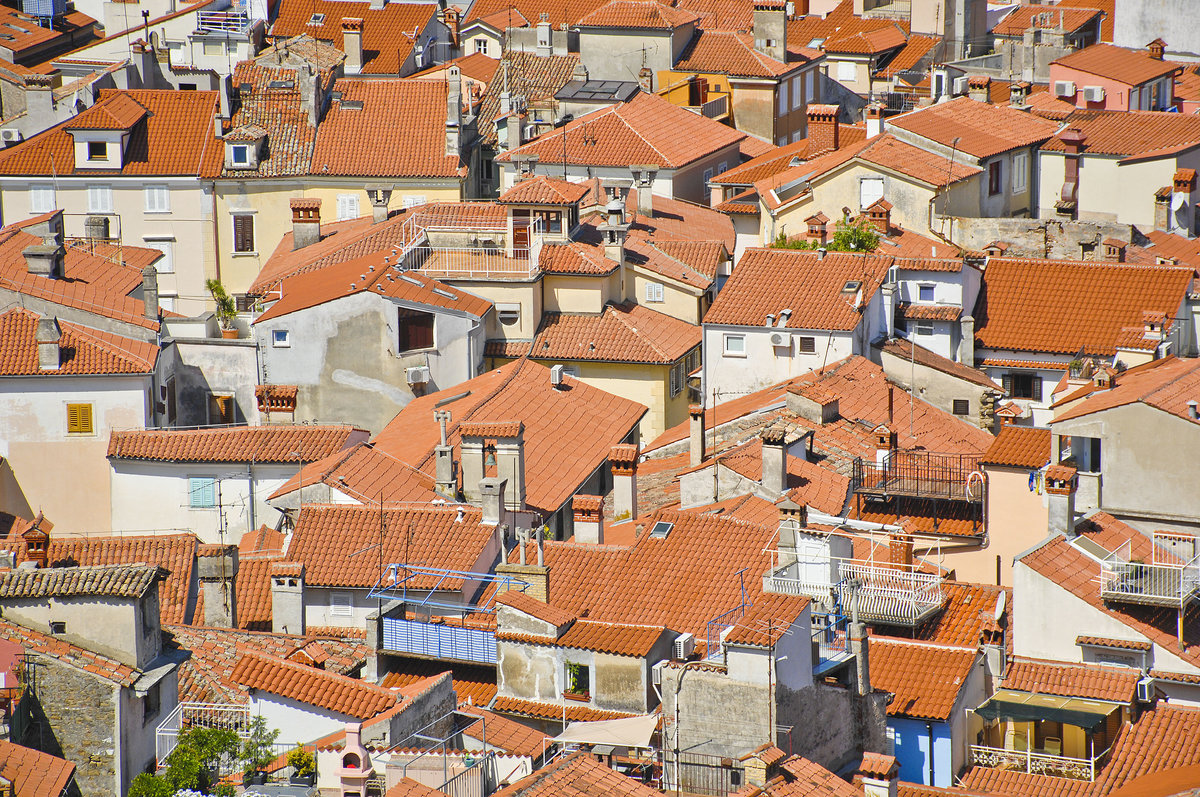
x=306 y=221
x=822 y=129
x=287 y=598
x=1061 y=484
x=900 y=550
x=587 y=514
x=37 y=543
x=770 y=28
x=537 y=576
x=1156 y=49
x=696 y=433
x=774 y=459
x=880 y=775
x=880 y=216
x=49 y=337
x=885 y=438
x=818 y=228
x=623 y=460
x=352 y=44
x=1162 y=209
x=216 y=567
x=977 y=87
x=1112 y=250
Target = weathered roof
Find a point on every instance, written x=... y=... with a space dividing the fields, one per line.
x=981 y=129
x=919 y=354
x=1167 y=384
x=310 y=685
x=639 y=14
x=73 y=655
x=1135 y=135
x=576 y=775
x=725 y=52
x=1132 y=67
x=263 y=444
x=112 y=581
x=925 y=678
x=1019 y=447
x=33 y=773
x=1091 y=681
x=81 y=350
x=388 y=32
x=1025 y=18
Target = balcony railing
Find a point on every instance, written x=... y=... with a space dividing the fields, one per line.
x=716 y=108
x=887 y=594
x=920 y=474
x=473 y=263
x=439 y=641
x=226 y=716
x=222 y=21
x=1037 y=763
x=1153 y=583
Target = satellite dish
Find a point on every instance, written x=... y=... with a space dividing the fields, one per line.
x=1003 y=596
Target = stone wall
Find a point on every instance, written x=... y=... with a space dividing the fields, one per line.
x=1052 y=238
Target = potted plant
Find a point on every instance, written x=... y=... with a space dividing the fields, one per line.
x=258 y=752
x=304 y=767
x=226 y=307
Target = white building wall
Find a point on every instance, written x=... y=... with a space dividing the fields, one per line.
x=297 y=723
x=728 y=376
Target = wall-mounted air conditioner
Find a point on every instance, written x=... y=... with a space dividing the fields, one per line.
x=418 y=375
x=1093 y=93
x=1064 y=88
x=685 y=645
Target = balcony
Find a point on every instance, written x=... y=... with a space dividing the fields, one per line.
x=221 y=22
x=439 y=640
x=1036 y=762
x=226 y=716
x=473 y=263
x=920 y=474
x=887 y=594
x=1156 y=583
x=715 y=108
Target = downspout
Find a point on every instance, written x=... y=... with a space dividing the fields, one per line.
x=250 y=481
x=216 y=232
x=929 y=731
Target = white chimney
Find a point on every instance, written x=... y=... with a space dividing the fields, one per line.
x=49 y=335
x=880 y=775
x=696 y=434
x=875 y=123
x=352 y=44
x=623 y=461
x=587 y=513
x=774 y=459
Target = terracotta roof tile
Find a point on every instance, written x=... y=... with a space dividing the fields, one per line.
x=907 y=350
x=778 y=159
x=81 y=350
x=629 y=333
x=309 y=685
x=931 y=312
x=269 y=444
x=536 y=608
x=1167 y=384
x=355 y=141
x=1105 y=642
x=841 y=31
x=119 y=581
x=1019 y=447
x=693 y=263
x=576 y=775
x=174 y=138
x=799 y=777
x=678 y=220
x=553 y=711
x=648 y=14
x=538 y=78
x=544 y=190
x=725 y=52
x=968 y=610
x=387 y=31
x=367 y=474
x=618 y=639
x=33 y=773
x=913 y=52
x=1134 y=134
x=1094 y=682
x=74 y=655
x=558 y=12
x=878 y=765
x=1025 y=18
x=982 y=130
x=1109 y=7
x=473 y=684
x=647 y=129
x=327 y=534
x=407 y=787
x=575 y=257
x=1133 y=67
x=925 y=678
x=505 y=734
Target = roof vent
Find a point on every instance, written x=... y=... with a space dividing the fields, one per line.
x=661 y=529
x=352 y=105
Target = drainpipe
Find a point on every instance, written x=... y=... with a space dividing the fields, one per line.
x=929 y=731
x=678 y=684
x=250 y=482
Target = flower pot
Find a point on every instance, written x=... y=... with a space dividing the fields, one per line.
x=229 y=334
x=255 y=778
x=302 y=780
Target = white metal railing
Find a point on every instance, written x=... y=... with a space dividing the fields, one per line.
x=227 y=21
x=1036 y=763
x=230 y=716
x=1155 y=583
x=474 y=263
x=887 y=593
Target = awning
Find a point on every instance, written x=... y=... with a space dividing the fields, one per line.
x=628 y=732
x=1009 y=704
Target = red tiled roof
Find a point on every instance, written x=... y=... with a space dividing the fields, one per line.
x=931 y=312
x=407 y=787
x=175 y=138
x=306 y=684
x=553 y=711
x=778 y=159
x=1167 y=384
x=537 y=77
x=841 y=31
x=558 y=12
x=276 y=443
x=767 y=281
x=1134 y=134
x=726 y=52
x=82 y=350
x=914 y=50
x=969 y=609
x=474 y=685
x=367 y=474
x=1019 y=447
x=678 y=220
x=252 y=588
x=555 y=464
x=1132 y=67
x=618 y=639
x=358 y=141
x=326 y=536
x=535 y=608
x=1091 y=681
x=800 y=777
x=575 y=257
x=121 y=112
x=387 y=31
x=1105 y=642
x=505 y=734
x=1109 y=7
x=648 y=14
x=544 y=190
x=1025 y=18
x=33 y=773
x=647 y=129
x=907 y=350
x=982 y=129
x=74 y=655
x=576 y=775
x=692 y=263
x=271 y=107
x=626 y=333
x=1022 y=308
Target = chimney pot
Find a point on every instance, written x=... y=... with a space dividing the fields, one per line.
x=696 y=433
x=587 y=513
x=306 y=221
x=623 y=461
x=49 y=336
x=491 y=491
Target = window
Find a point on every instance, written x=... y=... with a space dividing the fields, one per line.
x=962 y=407
x=202 y=492
x=797 y=92
x=809 y=78
x=708 y=175
x=925 y=293
x=41 y=198
x=678 y=375
x=99 y=199
x=1022 y=385
x=167 y=302
x=481 y=45
x=166 y=263
x=414 y=330
x=579 y=680
x=1020 y=178
x=341 y=604
x=347 y=206
x=243 y=233
x=412 y=200
x=552 y=221
x=281 y=338
x=782 y=93
x=220 y=409
x=151 y=704
x=995 y=173
x=735 y=345
x=808 y=344
x=870 y=191
x=58 y=627
x=97 y=150
x=846 y=71
x=508 y=314
x=158 y=199
x=923 y=327
x=241 y=155
x=654 y=292
x=214 y=48
x=317 y=19
x=79 y=419
x=1086 y=451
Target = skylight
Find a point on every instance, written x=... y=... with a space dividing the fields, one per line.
x=661 y=529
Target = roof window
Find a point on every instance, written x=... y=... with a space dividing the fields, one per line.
x=661 y=529
x=852 y=286
x=316 y=19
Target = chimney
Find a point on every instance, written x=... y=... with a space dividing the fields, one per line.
x=696 y=433
x=96 y=228
x=623 y=460
x=615 y=230
x=150 y=292
x=308 y=87
x=880 y=216
x=587 y=512
x=889 y=308
x=352 y=44
x=977 y=87
x=216 y=567
x=451 y=19
x=774 y=459
x=1162 y=209
x=287 y=598
x=822 y=129
x=900 y=550
x=537 y=576
x=510 y=464
x=37 y=543
x=1112 y=250
x=544 y=45
x=770 y=28
x=1072 y=140
x=645 y=80
x=1156 y=48
x=381 y=197
x=39 y=96
x=860 y=649
x=966 y=343
x=1018 y=94
x=885 y=438
x=818 y=228
x=306 y=222
x=880 y=775
x=643 y=179
x=1192 y=412
x=1061 y=483
x=443 y=454
x=45 y=259
x=49 y=335
x=875 y=123
x=453 y=112
x=491 y=492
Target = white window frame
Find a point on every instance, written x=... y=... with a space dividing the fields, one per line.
x=678 y=377
x=654 y=292
x=244 y=151
x=481 y=45
x=782 y=94
x=347 y=207
x=923 y=327
x=1020 y=175
x=926 y=287
x=341 y=604
x=847 y=71
x=797 y=91
x=99 y=198
x=166 y=245
x=413 y=200
x=708 y=175
x=42 y=197
x=731 y=336
x=281 y=338
x=158 y=198
x=866 y=200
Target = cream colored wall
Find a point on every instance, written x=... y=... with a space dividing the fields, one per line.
x=677 y=302
x=579 y=294
x=1105 y=192
x=526 y=294
x=1015 y=519
x=493 y=45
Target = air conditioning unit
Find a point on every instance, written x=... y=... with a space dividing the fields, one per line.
x=960 y=85
x=656 y=672
x=10 y=135
x=556 y=375
x=1064 y=88
x=418 y=375
x=780 y=339
x=1093 y=93
x=685 y=645
x=1145 y=690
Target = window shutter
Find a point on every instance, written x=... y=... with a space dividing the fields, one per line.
x=1037 y=388
x=73 y=418
x=243 y=233
x=1006 y=381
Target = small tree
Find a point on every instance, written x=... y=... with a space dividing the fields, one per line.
x=855 y=236
x=226 y=307
x=302 y=762
x=147 y=785
x=257 y=750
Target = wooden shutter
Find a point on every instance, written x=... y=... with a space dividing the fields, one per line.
x=1006 y=381
x=79 y=418
x=808 y=345
x=1037 y=388
x=243 y=233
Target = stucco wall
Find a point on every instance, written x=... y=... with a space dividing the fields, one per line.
x=298 y=723
x=1109 y=191
x=203 y=368
x=1015 y=518
x=933 y=386
x=678 y=302
x=616 y=54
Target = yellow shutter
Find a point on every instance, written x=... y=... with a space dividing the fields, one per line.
x=79 y=419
